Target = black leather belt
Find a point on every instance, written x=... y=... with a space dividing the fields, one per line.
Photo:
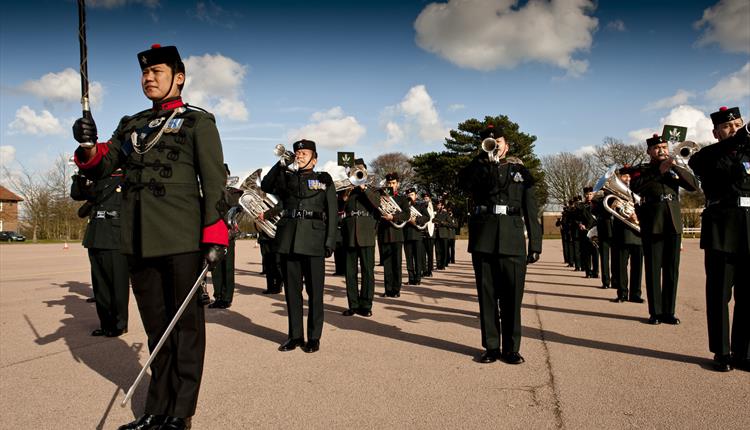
x=661 y=198
x=497 y=210
x=358 y=213
x=730 y=202
x=304 y=214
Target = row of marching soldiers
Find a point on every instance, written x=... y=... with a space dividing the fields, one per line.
x=644 y=230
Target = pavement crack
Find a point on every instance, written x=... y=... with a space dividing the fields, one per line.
x=559 y=422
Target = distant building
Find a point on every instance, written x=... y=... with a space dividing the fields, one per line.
x=8 y=210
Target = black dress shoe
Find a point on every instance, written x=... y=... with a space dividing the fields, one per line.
x=272 y=291
x=220 y=304
x=364 y=312
x=348 y=312
x=174 y=423
x=654 y=320
x=722 y=363
x=145 y=422
x=116 y=332
x=489 y=356
x=98 y=332
x=90 y=300
x=396 y=295
x=512 y=358
x=636 y=300
x=670 y=319
x=291 y=344
x=619 y=300
x=741 y=364
x=311 y=346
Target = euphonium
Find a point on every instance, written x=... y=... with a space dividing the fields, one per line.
x=618 y=199
x=254 y=201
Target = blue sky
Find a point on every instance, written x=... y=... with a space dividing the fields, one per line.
x=382 y=76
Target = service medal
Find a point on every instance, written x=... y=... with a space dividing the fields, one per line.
x=173 y=126
x=747 y=166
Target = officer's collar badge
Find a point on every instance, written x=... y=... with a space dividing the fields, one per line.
x=518 y=177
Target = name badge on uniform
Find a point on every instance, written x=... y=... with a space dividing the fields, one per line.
x=518 y=177
x=155 y=123
x=173 y=126
x=101 y=214
x=747 y=166
x=314 y=184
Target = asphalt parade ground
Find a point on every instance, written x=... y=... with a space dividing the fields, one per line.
x=591 y=363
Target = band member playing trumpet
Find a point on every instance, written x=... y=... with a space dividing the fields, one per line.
x=358 y=228
x=658 y=183
x=305 y=236
x=724 y=170
x=392 y=238
x=503 y=192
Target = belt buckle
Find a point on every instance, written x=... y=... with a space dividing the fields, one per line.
x=500 y=210
x=744 y=202
x=666 y=197
x=101 y=214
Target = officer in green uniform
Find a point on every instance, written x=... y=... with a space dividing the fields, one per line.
x=171 y=222
x=724 y=170
x=359 y=225
x=222 y=276
x=658 y=183
x=392 y=238
x=413 y=246
x=109 y=267
x=305 y=235
x=271 y=263
x=626 y=246
x=503 y=191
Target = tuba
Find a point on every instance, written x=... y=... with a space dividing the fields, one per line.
x=254 y=201
x=618 y=199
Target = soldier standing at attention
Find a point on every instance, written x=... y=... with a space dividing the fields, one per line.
x=305 y=236
x=626 y=245
x=172 y=221
x=724 y=170
x=359 y=226
x=658 y=183
x=587 y=221
x=604 y=235
x=428 y=238
x=392 y=238
x=109 y=267
x=445 y=226
x=503 y=190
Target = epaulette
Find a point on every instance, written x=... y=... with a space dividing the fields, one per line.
x=514 y=160
x=189 y=106
x=325 y=178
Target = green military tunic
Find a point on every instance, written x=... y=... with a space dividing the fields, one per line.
x=358 y=227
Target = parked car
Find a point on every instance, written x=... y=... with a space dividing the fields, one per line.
x=11 y=236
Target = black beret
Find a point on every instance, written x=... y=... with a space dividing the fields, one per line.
x=304 y=144
x=588 y=190
x=654 y=140
x=725 y=114
x=159 y=55
x=491 y=131
x=391 y=176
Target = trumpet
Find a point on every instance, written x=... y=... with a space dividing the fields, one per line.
x=356 y=178
x=682 y=152
x=286 y=158
x=618 y=199
x=490 y=146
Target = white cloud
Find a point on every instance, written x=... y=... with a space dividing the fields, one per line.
x=63 y=87
x=337 y=172
x=681 y=97
x=456 y=106
x=112 y=4
x=585 y=150
x=418 y=106
x=734 y=87
x=699 y=125
x=491 y=34
x=330 y=129
x=394 y=133
x=7 y=155
x=214 y=83
x=616 y=25
x=27 y=121
x=726 y=23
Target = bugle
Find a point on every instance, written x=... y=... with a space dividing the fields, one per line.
x=286 y=158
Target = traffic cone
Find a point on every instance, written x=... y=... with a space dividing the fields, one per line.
x=65 y=246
